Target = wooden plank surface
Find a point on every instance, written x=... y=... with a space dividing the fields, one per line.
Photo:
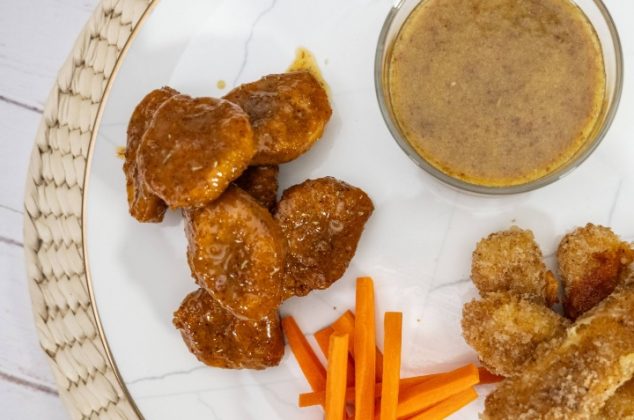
x=35 y=38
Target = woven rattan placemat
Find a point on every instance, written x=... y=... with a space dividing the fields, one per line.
x=53 y=240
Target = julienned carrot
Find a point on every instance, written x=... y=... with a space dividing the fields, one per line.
x=448 y=406
x=307 y=359
x=393 y=323
x=486 y=377
x=431 y=392
x=322 y=337
x=336 y=379
x=364 y=349
x=345 y=325
x=308 y=399
x=323 y=340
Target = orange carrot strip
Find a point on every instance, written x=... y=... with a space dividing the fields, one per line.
x=323 y=340
x=308 y=399
x=307 y=359
x=345 y=325
x=422 y=396
x=364 y=349
x=336 y=379
x=447 y=407
x=486 y=377
x=393 y=324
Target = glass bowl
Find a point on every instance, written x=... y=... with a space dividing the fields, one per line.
x=603 y=24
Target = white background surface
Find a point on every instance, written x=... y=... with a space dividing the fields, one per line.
x=35 y=38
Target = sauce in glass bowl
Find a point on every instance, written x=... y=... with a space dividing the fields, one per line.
x=496 y=92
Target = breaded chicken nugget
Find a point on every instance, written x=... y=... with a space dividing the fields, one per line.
x=511 y=261
x=592 y=261
x=322 y=221
x=261 y=183
x=506 y=330
x=236 y=252
x=217 y=338
x=621 y=405
x=194 y=148
x=575 y=374
x=288 y=112
x=143 y=204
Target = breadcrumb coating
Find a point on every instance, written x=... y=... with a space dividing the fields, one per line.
x=592 y=260
x=506 y=330
x=511 y=261
x=577 y=373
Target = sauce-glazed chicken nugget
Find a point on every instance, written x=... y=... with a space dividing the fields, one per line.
x=144 y=205
x=217 y=338
x=322 y=221
x=288 y=112
x=261 y=183
x=592 y=261
x=505 y=330
x=236 y=252
x=576 y=374
x=511 y=261
x=194 y=148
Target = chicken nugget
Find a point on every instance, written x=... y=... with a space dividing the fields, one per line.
x=621 y=405
x=592 y=261
x=194 y=148
x=236 y=252
x=288 y=112
x=575 y=374
x=143 y=204
x=261 y=183
x=322 y=221
x=505 y=330
x=218 y=338
x=511 y=261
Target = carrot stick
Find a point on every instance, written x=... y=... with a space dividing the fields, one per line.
x=486 y=377
x=309 y=363
x=336 y=379
x=422 y=396
x=308 y=399
x=393 y=323
x=447 y=407
x=323 y=341
x=364 y=349
x=345 y=325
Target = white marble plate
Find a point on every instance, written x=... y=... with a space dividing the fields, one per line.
x=417 y=245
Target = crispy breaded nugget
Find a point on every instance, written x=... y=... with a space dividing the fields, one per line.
x=217 y=338
x=236 y=252
x=144 y=205
x=506 y=330
x=322 y=221
x=261 y=183
x=511 y=261
x=621 y=405
x=592 y=261
x=577 y=373
x=288 y=112
x=194 y=148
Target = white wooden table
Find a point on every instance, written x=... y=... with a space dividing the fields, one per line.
x=35 y=38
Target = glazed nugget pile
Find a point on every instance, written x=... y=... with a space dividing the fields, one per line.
x=216 y=160
x=576 y=366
